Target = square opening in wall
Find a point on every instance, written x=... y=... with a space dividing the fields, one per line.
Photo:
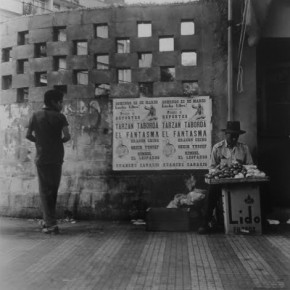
x=81 y=47
x=22 y=66
x=190 y=87
x=102 y=90
x=166 y=43
x=61 y=88
x=59 y=33
x=6 y=54
x=22 y=95
x=102 y=30
x=187 y=27
x=22 y=38
x=41 y=6
x=123 y=45
x=56 y=7
x=102 y=61
x=6 y=82
x=59 y=63
x=188 y=58
x=80 y=77
x=167 y=74
x=144 y=29
x=40 y=50
x=146 y=89
x=40 y=79
x=124 y=76
x=144 y=59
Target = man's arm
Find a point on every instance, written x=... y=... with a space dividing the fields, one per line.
x=214 y=162
x=29 y=133
x=248 y=156
x=66 y=134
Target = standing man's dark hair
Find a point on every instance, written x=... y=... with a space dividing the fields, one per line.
x=48 y=128
x=52 y=96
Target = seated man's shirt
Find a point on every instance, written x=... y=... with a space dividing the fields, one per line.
x=240 y=153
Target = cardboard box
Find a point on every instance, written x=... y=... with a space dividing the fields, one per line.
x=168 y=219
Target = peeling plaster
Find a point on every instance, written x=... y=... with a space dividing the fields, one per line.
x=84 y=119
x=13 y=123
x=13 y=114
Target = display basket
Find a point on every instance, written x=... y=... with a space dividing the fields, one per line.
x=236 y=180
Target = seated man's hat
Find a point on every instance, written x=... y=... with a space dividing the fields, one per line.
x=233 y=127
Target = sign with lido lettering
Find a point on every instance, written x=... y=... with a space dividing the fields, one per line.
x=162 y=133
x=242 y=208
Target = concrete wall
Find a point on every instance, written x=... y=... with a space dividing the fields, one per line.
x=278 y=22
x=89 y=187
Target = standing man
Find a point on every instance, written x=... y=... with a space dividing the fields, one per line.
x=229 y=150
x=48 y=128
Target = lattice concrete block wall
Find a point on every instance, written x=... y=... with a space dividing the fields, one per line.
x=89 y=187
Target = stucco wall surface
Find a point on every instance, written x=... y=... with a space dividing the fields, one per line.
x=89 y=187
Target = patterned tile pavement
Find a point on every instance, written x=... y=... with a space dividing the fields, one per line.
x=111 y=255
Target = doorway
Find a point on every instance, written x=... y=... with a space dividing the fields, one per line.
x=273 y=96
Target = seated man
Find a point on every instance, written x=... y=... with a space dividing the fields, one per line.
x=229 y=150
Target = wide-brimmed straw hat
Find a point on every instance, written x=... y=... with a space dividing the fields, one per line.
x=233 y=127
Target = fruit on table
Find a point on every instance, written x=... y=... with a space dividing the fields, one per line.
x=234 y=170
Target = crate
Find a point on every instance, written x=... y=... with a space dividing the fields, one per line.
x=168 y=219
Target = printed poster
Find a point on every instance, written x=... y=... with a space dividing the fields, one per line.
x=162 y=133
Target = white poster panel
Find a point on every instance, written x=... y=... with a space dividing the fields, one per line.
x=162 y=133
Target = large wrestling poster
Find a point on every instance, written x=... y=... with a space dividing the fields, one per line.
x=162 y=133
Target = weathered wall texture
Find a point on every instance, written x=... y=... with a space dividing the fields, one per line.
x=89 y=187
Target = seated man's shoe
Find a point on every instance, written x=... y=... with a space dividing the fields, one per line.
x=203 y=230
x=51 y=230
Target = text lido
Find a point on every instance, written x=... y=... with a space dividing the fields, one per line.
x=244 y=221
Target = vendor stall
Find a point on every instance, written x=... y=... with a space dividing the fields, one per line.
x=241 y=198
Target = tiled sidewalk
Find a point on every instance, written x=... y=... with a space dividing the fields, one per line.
x=107 y=255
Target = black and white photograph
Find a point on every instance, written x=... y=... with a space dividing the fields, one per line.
x=145 y=144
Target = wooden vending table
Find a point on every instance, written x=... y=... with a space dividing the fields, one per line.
x=241 y=204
